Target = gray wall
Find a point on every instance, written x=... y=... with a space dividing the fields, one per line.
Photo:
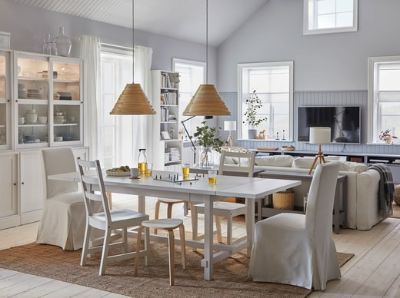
x=322 y=62
x=28 y=27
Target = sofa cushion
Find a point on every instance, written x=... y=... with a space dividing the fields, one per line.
x=349 y=166
x=303 y=162
x=275 y=161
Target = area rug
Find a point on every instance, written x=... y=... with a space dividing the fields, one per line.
x=152 y=281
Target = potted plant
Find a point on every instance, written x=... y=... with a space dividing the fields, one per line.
x=207 y=138
x=253 y=121
x=387 y=136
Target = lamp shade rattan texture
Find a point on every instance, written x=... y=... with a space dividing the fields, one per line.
x=132 y=101
x=206 y=102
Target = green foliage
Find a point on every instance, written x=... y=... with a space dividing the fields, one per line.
x=207 y=137
x=254 y=104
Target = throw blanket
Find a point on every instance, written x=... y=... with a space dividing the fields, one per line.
x=386 y=190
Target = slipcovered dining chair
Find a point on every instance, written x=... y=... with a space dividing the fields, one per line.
x=63 y=219
x=298 y=249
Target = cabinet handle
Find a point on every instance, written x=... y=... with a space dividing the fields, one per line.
x=22 y=182
x=15 y=183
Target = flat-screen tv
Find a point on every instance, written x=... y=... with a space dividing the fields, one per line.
x=344 y=123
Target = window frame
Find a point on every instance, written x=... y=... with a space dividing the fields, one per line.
x=194 y=63
x=307 y=31
x=373 y=114
x=240 y=68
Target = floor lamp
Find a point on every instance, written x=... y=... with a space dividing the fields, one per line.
x=319 y=136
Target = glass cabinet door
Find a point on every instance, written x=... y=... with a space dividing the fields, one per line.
x=66 y=80
x=67 y=124
x=33 y=78
x=33 y=124
x=4 y=100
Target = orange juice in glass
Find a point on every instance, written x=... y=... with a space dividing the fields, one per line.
x=149 y=171
x=185 y=171
x=212 y=177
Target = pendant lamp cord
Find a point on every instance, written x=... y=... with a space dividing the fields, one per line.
x=206 y=41
x=133 y=41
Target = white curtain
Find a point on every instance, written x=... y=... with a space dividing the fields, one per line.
x=90 y=54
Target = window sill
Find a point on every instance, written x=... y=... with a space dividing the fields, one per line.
x=383 y=144
x=329 y=31
x=264 y=140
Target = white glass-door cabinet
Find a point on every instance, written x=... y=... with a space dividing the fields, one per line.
x=5 y=100
x=48 y=102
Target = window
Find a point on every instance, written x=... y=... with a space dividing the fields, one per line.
x=116 y=72
x=191 y=75
x=273 y=84
x=330 y=16
x=384 y=97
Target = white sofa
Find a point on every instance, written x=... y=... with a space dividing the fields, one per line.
x=362 y=186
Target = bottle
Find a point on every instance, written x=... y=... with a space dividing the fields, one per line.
x=63 y=43
x=142 y=162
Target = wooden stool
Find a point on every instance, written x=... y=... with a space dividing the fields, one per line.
x=168 y=224
x=170 y=203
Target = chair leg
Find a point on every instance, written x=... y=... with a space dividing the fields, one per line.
x=138 y=244
x=157 y=213
x=104 y=254
x=194 y=217
x=85 y=248
x=183 y=245
x=219 y=230
x=171 y=252
x=146 y=245
x=169 y=210
x=229 y=230
x=125 y=239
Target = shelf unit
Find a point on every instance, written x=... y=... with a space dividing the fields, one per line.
x=48 y=109
x=167 y=143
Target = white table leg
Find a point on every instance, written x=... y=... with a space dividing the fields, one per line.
x=142 y=204
x=208 y=238
x=250 y=218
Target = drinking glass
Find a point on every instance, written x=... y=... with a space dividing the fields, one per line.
x=212 y=177
x=185 y=171
x=149 y=169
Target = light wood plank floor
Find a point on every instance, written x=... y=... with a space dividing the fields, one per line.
x=373 y=272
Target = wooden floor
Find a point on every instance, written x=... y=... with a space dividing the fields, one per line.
x=373 y=272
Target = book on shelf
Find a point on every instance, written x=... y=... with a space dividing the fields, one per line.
x=169 y=80
x=169 y=98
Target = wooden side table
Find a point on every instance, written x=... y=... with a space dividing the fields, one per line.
x=339 y=207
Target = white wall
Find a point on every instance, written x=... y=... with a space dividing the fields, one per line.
x=322 y=62
x=29 y=26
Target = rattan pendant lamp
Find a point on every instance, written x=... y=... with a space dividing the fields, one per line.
x=132 y=100
x=206 y=101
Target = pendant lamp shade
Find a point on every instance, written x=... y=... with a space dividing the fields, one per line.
x=132 y=101
x=206 y=102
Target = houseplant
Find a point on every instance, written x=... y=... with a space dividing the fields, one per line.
x=252 y=119
x=387 y=136
x=207 y=138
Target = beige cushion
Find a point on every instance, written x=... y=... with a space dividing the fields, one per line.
x=275 y=161
x=303 y=162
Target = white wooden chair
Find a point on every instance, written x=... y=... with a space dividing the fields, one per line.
x=298 y=249
x=223 y=209
x=108 y=220
x=63 y=219
x=168 y=224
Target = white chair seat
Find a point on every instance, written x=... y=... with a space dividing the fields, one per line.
x=224 y=208
x=292 y=222
x=166 y=223
x=120 y=217
x=69 y=198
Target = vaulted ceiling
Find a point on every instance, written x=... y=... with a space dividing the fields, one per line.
x=183 y=19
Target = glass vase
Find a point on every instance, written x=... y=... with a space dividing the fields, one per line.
x=205 y=157
x=63 y=43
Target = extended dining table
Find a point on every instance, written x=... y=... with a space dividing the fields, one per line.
x=199 y=191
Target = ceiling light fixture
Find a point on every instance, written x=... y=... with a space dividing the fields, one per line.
x=133 y=101
x=206 y=101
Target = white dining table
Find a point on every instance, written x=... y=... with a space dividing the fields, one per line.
x=249 y=188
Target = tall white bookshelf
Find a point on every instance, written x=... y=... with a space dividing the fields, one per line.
x=167 y=142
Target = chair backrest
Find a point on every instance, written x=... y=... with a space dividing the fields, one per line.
x=245 y=162
x=58 y=161
x=320 y=202
x=92 y=180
